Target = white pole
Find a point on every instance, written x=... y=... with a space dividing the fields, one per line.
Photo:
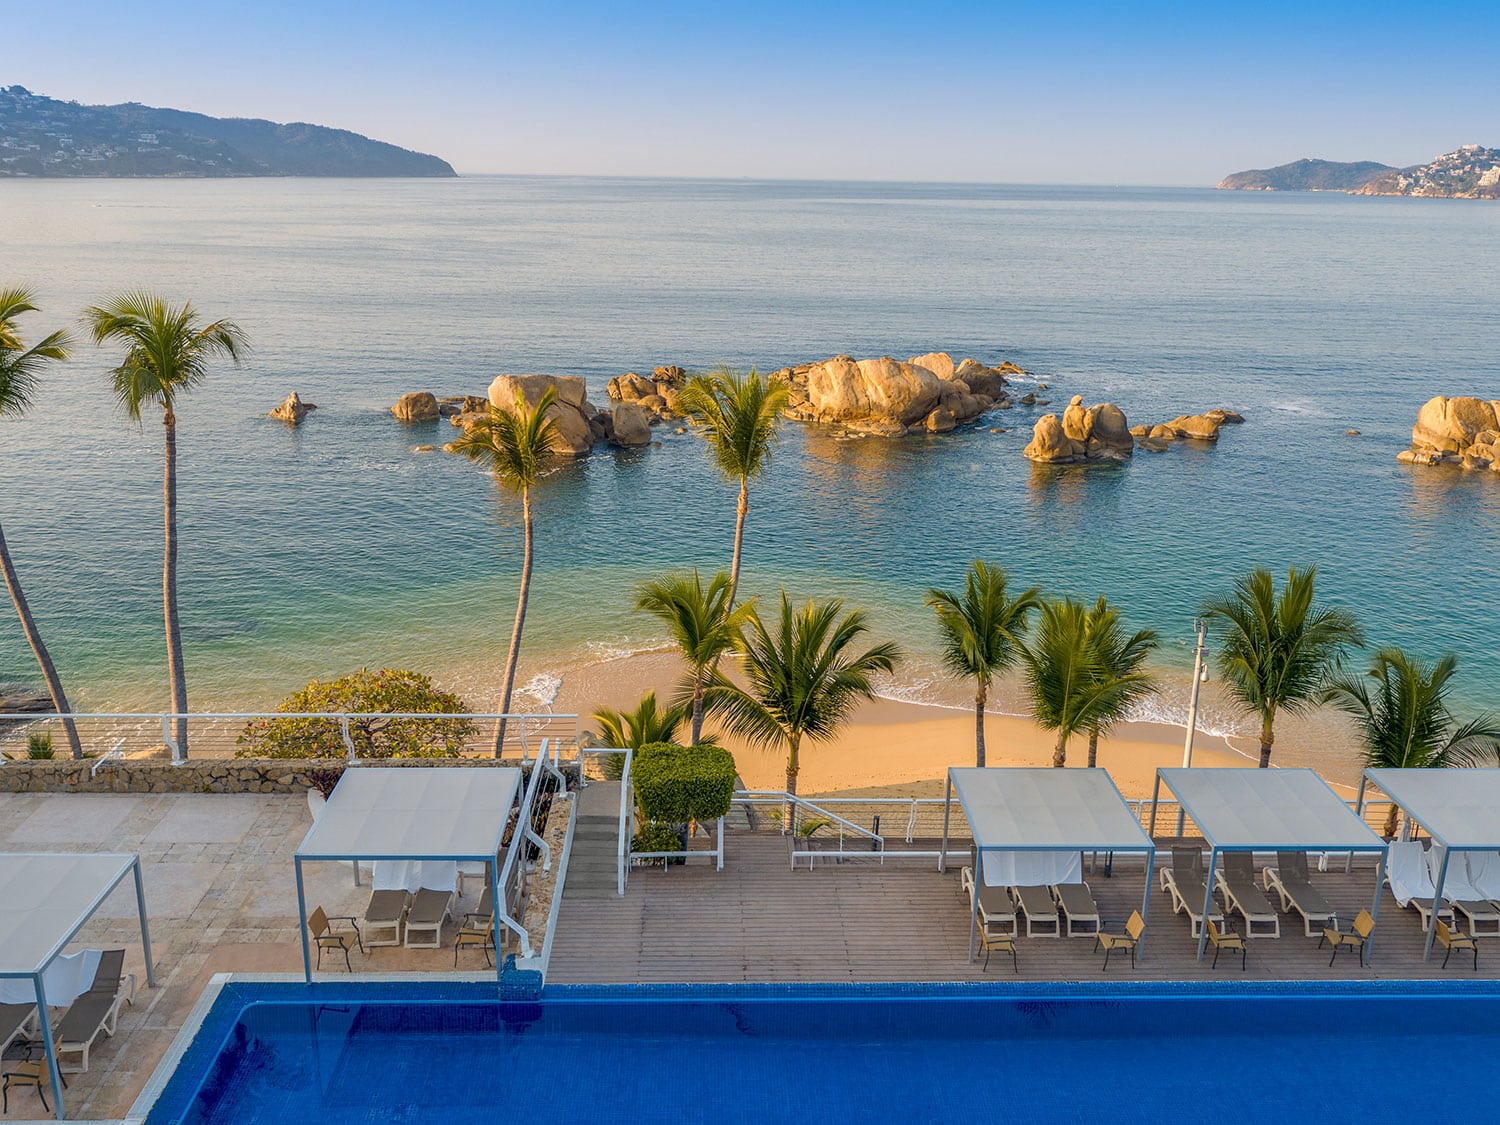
x=1199 y=652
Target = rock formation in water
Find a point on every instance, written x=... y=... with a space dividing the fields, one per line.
x=293 y=410
x=1464 y=432
x=1095 y=433
x=885 y=396
x=418 y=406
x=657 y=396
x=571 y=414
x=1195 y=427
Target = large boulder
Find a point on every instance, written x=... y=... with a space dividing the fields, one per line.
x=981 y=380
x=570 y=414
x=1050 y=444
x=1200 y=427
x=630 y=425
x=293 y=410
x=1095 y=433
x=629 y=387
x=878 y=396
x=1456 y=431
x=419 y=406
x=939 y=363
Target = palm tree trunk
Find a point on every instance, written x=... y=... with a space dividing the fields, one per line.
x=739 y=541
x=38 y=649
x=792 y=766
x=1267 y=737
x=697 y=708
x=1093 y=747
x=515 y=633
x=1390 y=820
x=1060 y=751
x=979 y=724
x=177 y=677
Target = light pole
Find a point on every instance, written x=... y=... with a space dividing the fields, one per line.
x=1200 y=677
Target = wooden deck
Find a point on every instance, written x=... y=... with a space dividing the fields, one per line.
x=758 y=921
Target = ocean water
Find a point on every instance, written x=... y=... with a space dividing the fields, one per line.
x=314 y=551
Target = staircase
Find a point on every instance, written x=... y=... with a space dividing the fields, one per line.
x=593 y=866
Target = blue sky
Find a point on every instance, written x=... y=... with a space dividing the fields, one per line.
x=1062 y=93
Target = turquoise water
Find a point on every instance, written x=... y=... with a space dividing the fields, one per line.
x=314 y=551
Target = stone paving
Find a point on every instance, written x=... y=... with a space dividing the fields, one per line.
x=221 y=898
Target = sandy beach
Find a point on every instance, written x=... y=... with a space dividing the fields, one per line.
x=903 y=748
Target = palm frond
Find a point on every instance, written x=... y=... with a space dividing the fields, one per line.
x=982 y=628
x=21 y=367
x=695 y=615
x=516 y=443
x=738 y=415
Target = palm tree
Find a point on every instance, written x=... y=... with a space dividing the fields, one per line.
x=982 y=633
x=803 y=679
x=517 y=444
x=1279 y=650
x=739 y=415
x=167 y=352
x=701 y=622
x=20 y=369
x=1072 y=686
x=630 y=730
x=1401 y=709
x=1122 y=658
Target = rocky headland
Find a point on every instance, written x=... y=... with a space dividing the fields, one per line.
x=1469 y=172
x=1462 y=432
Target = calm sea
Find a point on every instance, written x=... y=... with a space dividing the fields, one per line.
x=310 y=552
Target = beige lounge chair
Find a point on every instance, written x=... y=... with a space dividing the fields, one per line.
x=1478 y=911
x=1184 y=881
x=1040 y=911
x=383 y=917
x=1236 y=877
x=1291 y=881
x=1080 y=911
x=1130 y=939
x=94 y=1011
x=997 y=914
x=1410 y=881
x=1229 y=940
x=1355 y=939
x=429 y=910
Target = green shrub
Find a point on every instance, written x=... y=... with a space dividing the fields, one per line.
x=678 y=784
x=39 y=746
x=654 y=836
x=389 y=690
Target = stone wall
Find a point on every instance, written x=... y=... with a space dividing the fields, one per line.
x=204 y=775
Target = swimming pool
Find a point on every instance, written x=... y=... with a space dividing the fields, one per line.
x=271 y=1052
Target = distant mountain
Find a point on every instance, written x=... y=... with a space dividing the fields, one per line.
x=1471 y=172
x=1306 y=175
x=41 y=136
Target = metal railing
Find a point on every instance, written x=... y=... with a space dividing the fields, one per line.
x=352 y=735
x=513 y=873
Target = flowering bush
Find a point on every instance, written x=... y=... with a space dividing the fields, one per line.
x=372 y=695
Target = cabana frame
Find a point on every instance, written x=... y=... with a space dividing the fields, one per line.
x=44 y=869
x=1457 y=807
x=1287 y=810
x=1037 y=822
x=416 y=813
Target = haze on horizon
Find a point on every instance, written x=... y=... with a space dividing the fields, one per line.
x=945 y=91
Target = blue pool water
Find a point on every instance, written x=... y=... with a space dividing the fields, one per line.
x=752 y=1055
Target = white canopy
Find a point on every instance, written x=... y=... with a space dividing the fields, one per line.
x=1460 y=808
x=434 y=812
x=44 y=901
x=1046 y=816
x=1266 y=810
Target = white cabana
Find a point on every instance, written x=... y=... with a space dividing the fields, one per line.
x=45 y=900
x=1459 y=808
x=1041 y=820
x=433 y=813
x=1249 y=810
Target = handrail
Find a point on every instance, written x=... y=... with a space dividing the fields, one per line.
x=113 y=754
x=517 y=845
x=782 y=797
x=623 y=843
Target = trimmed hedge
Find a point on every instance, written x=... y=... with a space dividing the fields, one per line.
x=676 y=784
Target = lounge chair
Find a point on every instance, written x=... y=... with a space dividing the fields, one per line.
x=383 y=917
x=1410 y=882
x=1130 y=939
x=1355 y=939
x=999 y=943
x=1236 y=877
x=1040 y=911
x=1229 y=940
x=429 y=910
x=1290 y=879
x=325 y=936
x=1080 y=911
x=1484 y=873
x=93 y=1011
x=14 y=1019
x=1451 y=941
x=997 y=914
x=1478 y=910
x=1184 y=881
